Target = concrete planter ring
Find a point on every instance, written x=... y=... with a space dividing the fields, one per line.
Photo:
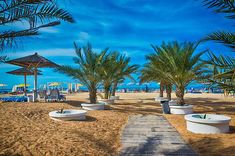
x=177 y=109
x=158 y=99
x=172 y=103
x=115 y=97
x=207 y=123
x=106 y=101
x=91 y=106
x=68 y=115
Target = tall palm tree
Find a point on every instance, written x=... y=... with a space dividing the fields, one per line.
x=150 y=72
x=123 y=70
x=37 y=13
x=108 y=74
x=89 y=70
x=115 y=70
x=178 y=64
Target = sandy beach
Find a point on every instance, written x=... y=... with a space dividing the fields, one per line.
x=26 y=128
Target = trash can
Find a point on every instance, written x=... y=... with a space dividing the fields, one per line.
x=30 y=98
x=165 y=106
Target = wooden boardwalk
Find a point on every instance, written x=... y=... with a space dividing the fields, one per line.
x=152 y=135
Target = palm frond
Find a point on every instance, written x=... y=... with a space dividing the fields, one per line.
x=222 y=6
x=174 y=63
x=222 y=71
x=9 y=39
x=38 y=13
x=3 y=59
x=226 y=38
x=223 y=62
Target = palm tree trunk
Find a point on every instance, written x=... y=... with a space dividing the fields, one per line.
x=168 y=91
x=114 y=88
x=180 y=95
x=161 y=89
x=226 y=92
x=92 y=94
x=107 y=91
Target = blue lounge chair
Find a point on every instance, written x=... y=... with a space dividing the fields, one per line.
x=14 y=99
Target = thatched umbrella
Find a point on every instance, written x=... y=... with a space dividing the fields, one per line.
x=23 y=71
x=34 y=62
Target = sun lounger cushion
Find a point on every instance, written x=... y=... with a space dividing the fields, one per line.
x=14 y=99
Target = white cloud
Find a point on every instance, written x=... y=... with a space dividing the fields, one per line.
x=83 y=37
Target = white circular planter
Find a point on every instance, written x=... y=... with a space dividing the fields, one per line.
x=106 y=101
x=172 y=103
x=89 y=106
x=212 y=123
x=186 y=109
x=158 y=99
x=115 y=97
x=68 y=115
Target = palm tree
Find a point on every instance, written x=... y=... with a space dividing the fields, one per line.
x=177 y=64
x=37 y=13
x=222 y=72
x=151 y=72
x=123 y=70
x=115 y=70
x=109 y=70
x=89 y=68
x=168 y=91
x=222 y=65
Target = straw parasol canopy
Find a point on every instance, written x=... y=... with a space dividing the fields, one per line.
x=23 y=71
x=79 y=85
x=33 y=62
x=53 y=84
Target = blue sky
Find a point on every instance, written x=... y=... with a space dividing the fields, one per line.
x=129 y=26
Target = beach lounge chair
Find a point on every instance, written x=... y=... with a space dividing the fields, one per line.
x=14 y=99
x=55 y=96
x=42 y=95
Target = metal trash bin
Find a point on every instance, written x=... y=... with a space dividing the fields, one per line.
x=29 y=98
x=165 y=106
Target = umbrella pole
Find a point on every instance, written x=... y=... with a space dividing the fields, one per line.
x=25 y=91
x=35 y=85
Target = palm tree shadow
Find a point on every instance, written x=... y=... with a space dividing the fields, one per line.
x=97 y=143
x=74 y=103
x=203 y=146
x=137 y=108
x=89 y=119
x=232 y=129
x=211 y=105
x=153 y=147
